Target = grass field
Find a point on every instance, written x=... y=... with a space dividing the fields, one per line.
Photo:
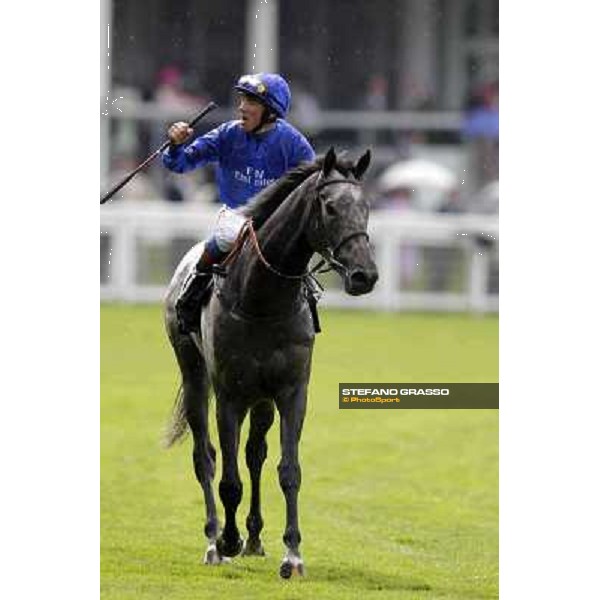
x=394 y=504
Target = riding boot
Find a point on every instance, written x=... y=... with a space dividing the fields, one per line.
x=192 y=293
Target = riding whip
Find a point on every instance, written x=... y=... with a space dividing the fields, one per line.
x=210 y=106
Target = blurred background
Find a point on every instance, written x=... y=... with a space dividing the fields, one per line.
x=417 y=81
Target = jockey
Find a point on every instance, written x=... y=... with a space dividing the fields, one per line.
x=250 y=153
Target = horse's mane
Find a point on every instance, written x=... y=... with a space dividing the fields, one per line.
x=264 y=204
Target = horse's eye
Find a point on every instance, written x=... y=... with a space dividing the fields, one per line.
x=330 y=209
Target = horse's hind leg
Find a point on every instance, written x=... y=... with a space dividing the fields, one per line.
x=195 y=408
x=261 y=419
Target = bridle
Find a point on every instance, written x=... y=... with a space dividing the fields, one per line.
x=329 y=261
x=328 y=254
x=326 y=251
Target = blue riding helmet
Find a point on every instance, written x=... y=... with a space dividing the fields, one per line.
x=270 y=88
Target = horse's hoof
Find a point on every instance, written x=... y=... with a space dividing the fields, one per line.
x=290 y=567
x=253 y=548
x=228 y=549
x=212 y=556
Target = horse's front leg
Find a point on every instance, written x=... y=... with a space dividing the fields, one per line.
x=229 y=420
x=292 y=408
x=261 y=419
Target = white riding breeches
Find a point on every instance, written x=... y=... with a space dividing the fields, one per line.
x=227 y=228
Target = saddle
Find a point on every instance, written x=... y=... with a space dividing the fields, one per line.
x=200 y=286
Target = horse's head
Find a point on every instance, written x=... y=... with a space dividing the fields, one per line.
x=338 y=228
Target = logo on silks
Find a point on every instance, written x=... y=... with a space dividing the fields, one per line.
x=255 y=83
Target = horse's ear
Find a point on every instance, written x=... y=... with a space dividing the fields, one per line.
x=329 y=161
x=362 y=165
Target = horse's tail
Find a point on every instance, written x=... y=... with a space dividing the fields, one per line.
x=177 y=429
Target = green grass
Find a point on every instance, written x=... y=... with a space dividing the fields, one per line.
x=394 y=504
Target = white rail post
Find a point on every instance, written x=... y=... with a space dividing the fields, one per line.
x=388 y=259
x=124 y=259
x=478 y=279
x=262 y=35
x=105 y=85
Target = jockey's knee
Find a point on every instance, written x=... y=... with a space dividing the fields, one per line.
x=229 y=225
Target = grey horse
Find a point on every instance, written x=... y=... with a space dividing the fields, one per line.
x=256 y=338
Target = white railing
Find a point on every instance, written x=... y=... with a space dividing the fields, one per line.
x=131 y=227
x=355 y=120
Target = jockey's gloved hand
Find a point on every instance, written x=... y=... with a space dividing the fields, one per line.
x=179 y=132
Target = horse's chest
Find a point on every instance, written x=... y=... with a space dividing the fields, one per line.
x=257 y=360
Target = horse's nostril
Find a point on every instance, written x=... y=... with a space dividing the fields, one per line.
x=359 y=279
x=361 y=282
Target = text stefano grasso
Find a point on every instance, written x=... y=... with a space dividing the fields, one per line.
x=396 y=391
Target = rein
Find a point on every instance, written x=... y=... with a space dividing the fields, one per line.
x=265 y=262
x=313 y=287
x=327 y=253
